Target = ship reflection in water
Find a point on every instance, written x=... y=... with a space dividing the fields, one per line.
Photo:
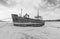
x=25 y=21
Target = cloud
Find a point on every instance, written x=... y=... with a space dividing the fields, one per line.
x=23 y=3
x=4 y=2
x=8 y=3
x=29 y=6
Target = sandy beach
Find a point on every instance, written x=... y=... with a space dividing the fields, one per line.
x=51 y=30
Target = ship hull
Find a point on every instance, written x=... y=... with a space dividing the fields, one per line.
x=29 y=24
x=25 y=22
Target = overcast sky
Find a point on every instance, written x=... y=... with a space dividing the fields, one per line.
x=29 y=6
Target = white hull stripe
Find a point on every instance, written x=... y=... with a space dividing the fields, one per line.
x=26 y=23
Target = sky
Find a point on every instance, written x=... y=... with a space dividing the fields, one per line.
x=8 y=7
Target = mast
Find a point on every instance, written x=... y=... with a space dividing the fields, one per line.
x=21 y=12
x=37 y=12
x=38 y=17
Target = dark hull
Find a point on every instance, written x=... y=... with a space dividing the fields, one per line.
x=29 y=24
x=21 y=21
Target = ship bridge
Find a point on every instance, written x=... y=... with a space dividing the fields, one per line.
x=39 y=17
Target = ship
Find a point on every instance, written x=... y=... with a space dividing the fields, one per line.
x=25 y=21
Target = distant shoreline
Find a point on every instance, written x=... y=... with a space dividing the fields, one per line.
x=52 y=20
x=2 y=21
x=43 y=20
